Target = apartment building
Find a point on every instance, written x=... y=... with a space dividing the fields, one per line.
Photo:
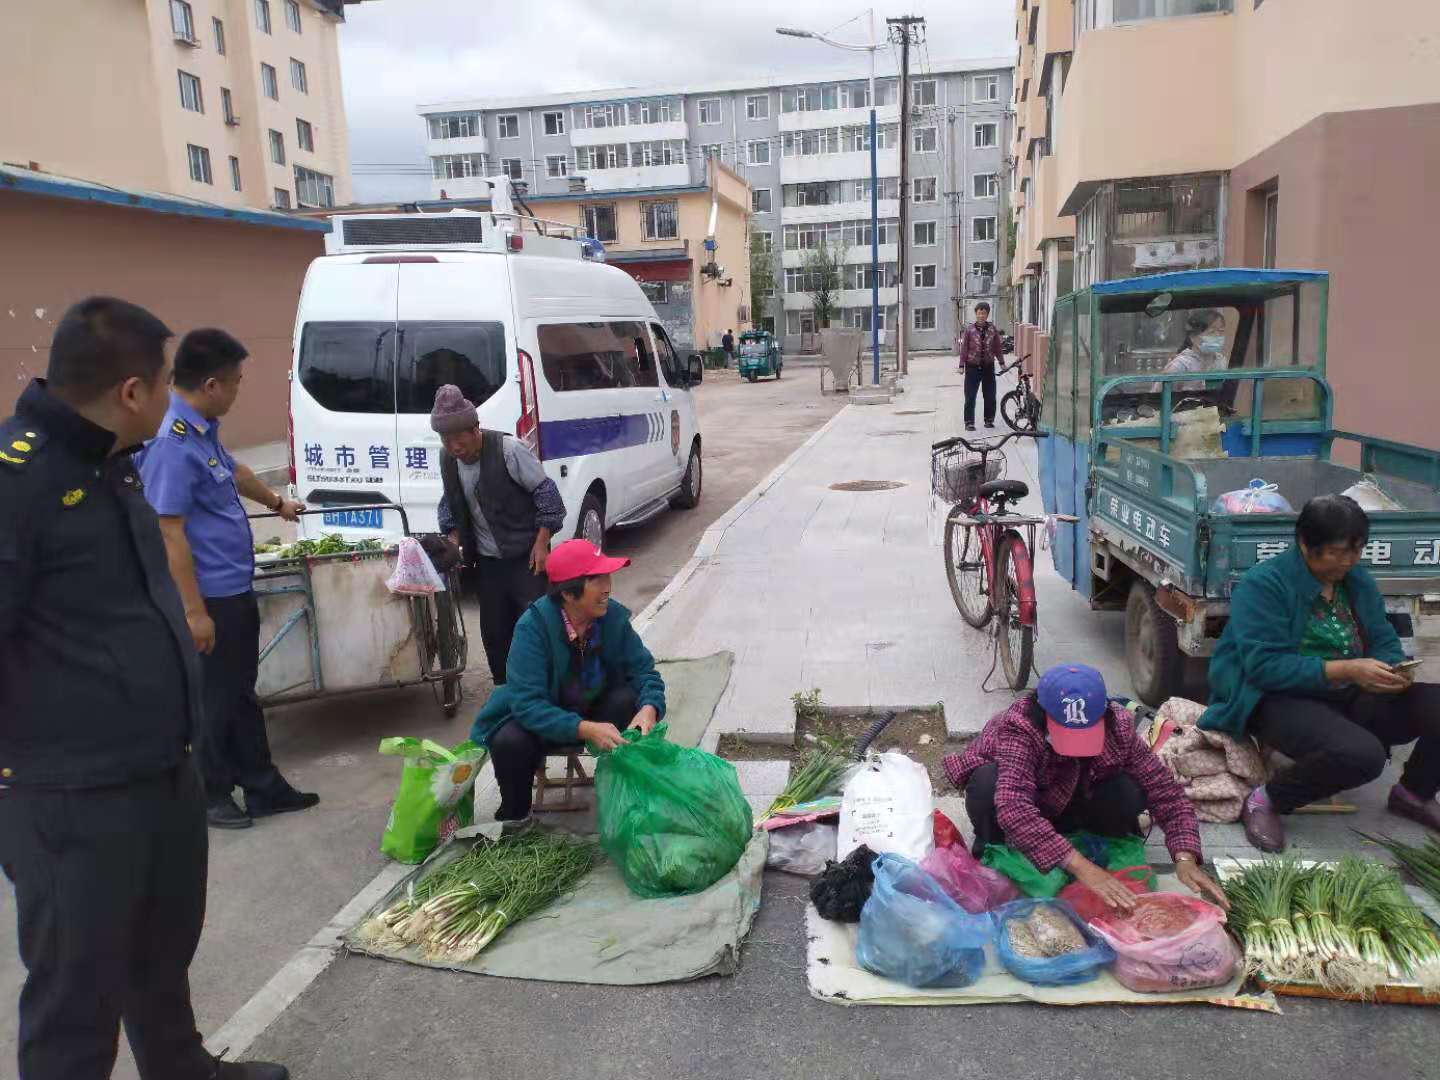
x=803 y=147
x=234 y=102
x=1155 y=135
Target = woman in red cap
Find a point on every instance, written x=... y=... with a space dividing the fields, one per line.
x=1066 y=758
x=577 y=672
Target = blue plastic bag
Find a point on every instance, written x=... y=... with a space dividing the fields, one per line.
x=1256 y=497
x=1066 y=969
x=911 y=931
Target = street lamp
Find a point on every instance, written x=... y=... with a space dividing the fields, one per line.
x=787 y=31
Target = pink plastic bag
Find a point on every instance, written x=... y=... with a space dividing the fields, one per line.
x=415 y=574
x=1169 y=942
x=974 y=887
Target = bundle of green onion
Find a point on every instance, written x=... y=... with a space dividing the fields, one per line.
x=1348 y=925
x=457 y=909
x=816 y=775
x=1421 y=863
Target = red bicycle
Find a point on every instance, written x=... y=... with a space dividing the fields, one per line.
x=988 y=562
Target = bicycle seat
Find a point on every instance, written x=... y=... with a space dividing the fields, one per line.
x=1004 y=490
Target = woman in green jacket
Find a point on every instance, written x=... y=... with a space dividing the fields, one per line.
x=577 y=672
x=1309 y=665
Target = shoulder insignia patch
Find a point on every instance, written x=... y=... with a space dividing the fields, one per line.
x=179 y=428
x=73 y=497
x=19 y=443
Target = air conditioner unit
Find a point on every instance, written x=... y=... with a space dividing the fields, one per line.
x=187 y=40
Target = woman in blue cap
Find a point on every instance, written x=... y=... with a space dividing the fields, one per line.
x=1067 y=758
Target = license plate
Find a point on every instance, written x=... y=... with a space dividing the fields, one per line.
x=354 y=519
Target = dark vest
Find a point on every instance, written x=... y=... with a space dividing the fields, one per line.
x=509 y=508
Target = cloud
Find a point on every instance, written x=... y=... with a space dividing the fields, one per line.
x=398 y=53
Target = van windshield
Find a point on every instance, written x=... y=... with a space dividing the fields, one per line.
x=353 y=367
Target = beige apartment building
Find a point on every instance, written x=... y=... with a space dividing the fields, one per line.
x=235 y=102
x=1155 y=135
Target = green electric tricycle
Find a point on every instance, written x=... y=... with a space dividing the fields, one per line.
x=759 y=354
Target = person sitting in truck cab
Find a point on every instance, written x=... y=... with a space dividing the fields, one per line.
x=1204 y=343
x=1310 y=666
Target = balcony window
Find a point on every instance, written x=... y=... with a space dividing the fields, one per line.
x=457 y=166
x=663 y=111
x=660 y=220
x=182 y=20
x=554 y=123
x=757 y=107
x=1139 y=10
x=842 y=234
x=455 y=126
x=313 y=188
x=507 y=126
x=191 y=98
x=198 y=158
x=853 y=138
x=600 y=223
x=601 y=116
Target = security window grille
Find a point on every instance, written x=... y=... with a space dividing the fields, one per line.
x=600 y=223
x=660 y=220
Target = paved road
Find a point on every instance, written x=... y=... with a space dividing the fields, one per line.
x=274 y=886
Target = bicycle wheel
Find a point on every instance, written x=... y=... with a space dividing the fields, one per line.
x=1012 y=410
x=1017 y=641
x=965 y=567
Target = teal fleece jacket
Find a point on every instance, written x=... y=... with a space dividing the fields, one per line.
x=1259 y=651
x=540 y=658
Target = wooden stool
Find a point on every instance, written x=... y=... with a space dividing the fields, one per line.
x=575 y=777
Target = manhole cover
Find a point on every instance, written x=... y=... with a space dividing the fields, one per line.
x=867 y=485
x=915 y=412
x=893 y=431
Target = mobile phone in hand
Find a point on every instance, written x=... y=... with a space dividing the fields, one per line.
x=1407 y=665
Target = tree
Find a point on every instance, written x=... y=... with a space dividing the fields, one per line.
x=823 y=266
x=762 y=277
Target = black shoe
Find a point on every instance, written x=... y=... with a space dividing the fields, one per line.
x=224 y=814
x=989 y=423
x=250 y=1070
x=970 y=425
x=286 y=802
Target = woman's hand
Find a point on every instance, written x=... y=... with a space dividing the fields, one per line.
x=1368 y=674
x=600 y=736
x=645 y=720
x=1199 y=882
x=1101 y=883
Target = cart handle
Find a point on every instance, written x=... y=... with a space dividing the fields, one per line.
x=404 y=518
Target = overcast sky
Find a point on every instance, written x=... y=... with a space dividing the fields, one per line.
x=399 y=53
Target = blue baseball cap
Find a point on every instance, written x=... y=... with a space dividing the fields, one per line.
x=1073 y=697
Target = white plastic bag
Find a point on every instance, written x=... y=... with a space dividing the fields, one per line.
x=415 y=574
x=888 y=806
x=803 y=848
x=1371 y=496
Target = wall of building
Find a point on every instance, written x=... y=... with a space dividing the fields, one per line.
x=190 y=272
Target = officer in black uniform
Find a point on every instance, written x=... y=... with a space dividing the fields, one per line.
x=102 y=815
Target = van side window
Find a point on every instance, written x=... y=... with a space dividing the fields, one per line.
x=349 y=366
x=669 y=363
x=596 y=356
x=469 y=354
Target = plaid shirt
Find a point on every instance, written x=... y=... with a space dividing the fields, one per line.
x=1035 y=784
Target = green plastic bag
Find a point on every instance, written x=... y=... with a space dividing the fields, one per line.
x=672 y=818
x=1120 y=853
x=434 y=796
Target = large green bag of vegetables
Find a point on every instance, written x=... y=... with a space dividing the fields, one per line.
x=672 y=818
x=1112 y=852
x=434 y=797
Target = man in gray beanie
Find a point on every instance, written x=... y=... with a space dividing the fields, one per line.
x=501 y=510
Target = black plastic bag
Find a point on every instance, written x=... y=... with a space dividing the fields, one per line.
x=842 y=888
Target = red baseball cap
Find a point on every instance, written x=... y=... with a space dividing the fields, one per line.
x=579 y=558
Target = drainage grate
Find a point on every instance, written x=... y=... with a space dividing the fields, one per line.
x=867 y=485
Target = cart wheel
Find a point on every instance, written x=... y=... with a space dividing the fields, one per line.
x=1152 y=647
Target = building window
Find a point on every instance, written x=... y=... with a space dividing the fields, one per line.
x=199 y=158
x=507 y=126
x=985 y=88
x=557 y=165
x=757 y=107
x=1272 y=225
x=235 y=173
x=268 y=83
x=664 y=111
x=191 y=98
x=765 y=240
x=262 y=16
x=292 y=16
x=710 y=110
x=923 y=318
x=1139 y=10
x=924 y=189
x=313 y=188
x=457 y=166
x=926 y=140
x=600 y=223
x=217 y=26
x=304 y=135
x=712 y=150
x=657 y=292
x=923 y=233
x=554 y=123
x=982 y=228
x=986 y=185
x=455 y=126
x=282 y=198
x=227 y=106
x=277 y=147
x=987 y=136
x=983 y=267
x=760 y=200
x=602 y=116
x=757 y=152
x=851 y=138
x=922 y=93
x=924 y=275
x=182 y=20
x=511 y=167
x=660 y=220
x=297 y=76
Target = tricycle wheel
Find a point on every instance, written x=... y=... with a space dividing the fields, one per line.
x=1152 y=647
x=777 y=372
x=751 y=376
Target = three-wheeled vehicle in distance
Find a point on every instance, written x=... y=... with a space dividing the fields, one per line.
x=758 y=354
x=1141 y=454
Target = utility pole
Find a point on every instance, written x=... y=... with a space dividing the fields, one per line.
x=906 y=30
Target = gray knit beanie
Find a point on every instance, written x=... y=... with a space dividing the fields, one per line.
x=452 y=412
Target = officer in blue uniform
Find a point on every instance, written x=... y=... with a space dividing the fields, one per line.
x=102 y=824
x=195 y=486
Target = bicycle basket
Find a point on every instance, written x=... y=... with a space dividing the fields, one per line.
x=956 y=473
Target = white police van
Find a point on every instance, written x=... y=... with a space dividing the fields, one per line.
x=547 y=341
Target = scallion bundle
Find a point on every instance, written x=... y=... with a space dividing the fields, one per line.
x=817 y=774
x=1421 y=863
